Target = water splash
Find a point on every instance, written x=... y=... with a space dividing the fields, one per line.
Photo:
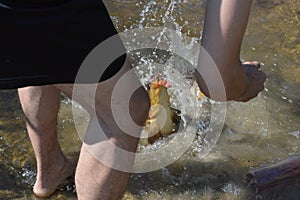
x=171 y=52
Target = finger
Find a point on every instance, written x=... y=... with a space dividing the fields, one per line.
x=246 y=98
x=257 y=74
x=261 y=77
x=250 y=96
x=254 y=64
x=264 y=77
x=252 y=92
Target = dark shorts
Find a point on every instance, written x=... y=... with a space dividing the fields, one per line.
x=46 y=43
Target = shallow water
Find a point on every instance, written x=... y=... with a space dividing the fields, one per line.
x=258 y=133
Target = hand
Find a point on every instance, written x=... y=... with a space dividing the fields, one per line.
x=255 y=81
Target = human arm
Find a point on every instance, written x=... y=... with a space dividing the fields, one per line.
x=224 y=28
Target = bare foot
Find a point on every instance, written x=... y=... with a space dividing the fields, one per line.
x=48 y=179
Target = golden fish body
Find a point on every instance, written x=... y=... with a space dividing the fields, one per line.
x=161 y=118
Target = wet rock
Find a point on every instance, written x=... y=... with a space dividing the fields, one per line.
x=291 y=74
x=7 y=194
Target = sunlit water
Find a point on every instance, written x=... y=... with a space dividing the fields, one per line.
x=258 y=133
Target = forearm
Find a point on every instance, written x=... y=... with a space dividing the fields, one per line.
x=225 y=24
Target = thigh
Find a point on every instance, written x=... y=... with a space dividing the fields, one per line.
x=121 y=102
x=99 y=95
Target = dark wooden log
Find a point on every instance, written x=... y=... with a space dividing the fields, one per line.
x=275 y=174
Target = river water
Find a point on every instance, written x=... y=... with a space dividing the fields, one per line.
x=263 y=131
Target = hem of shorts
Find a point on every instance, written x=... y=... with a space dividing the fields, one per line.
x=20 y=82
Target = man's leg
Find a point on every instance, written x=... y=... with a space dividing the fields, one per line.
x=40 y=105
x=94 y=179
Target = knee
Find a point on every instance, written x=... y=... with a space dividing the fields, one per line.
x=40 y=105
x=139 y=106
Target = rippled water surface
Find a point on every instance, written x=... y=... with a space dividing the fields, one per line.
x=258 y=133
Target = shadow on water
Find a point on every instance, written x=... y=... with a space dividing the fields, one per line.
x=212 y=178
x=221 y=175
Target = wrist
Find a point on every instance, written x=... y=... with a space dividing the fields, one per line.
x=220 y=79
